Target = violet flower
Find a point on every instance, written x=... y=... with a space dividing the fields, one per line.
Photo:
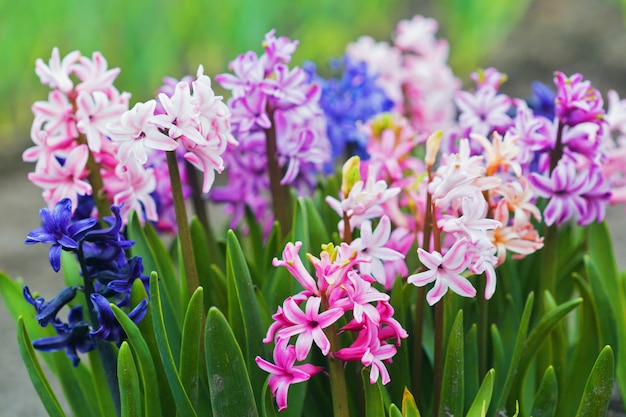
x=47 y=310
x=110 y=329
x=58 y=229
x=73 y=336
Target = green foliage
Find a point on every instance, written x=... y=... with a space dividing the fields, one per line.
x=541 y=361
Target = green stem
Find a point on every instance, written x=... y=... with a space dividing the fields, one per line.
x=439 y=355
x=201 y=209
x=337 y=376
x=483 y=329
x=418 y=326
x=184 y=234
x=281 y=199
x=439 y=326
x=105 y=350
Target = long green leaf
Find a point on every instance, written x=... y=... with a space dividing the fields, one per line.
x=183 y=405
x=374 y=405
x=471 y=380
x=130 y=393
x=547 y=395
x=597 y=394
x=152 y=402
x=539 y=335
x=483 y=397
x=38 y=378
x=229 y=385
x=146 y=327
x=268 y=402
x=602 y=255
x=452 y=389
x=190 y=350
x=517 y=354
x=156 y=259
x=244 y=313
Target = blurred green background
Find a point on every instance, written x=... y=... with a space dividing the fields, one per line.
x=149 y=39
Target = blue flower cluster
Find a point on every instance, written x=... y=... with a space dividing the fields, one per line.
x=107 y=273
x=351 y=99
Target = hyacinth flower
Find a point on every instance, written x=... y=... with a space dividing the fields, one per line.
x=337 y=290
x=58 y=229
x=349 y=101
x=413 y=71
x=107 y=277
x=280 y=127
x=73 y=337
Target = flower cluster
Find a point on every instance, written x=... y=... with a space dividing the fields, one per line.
x=348 y=102
x=107 y=273
x=338 y=290
x=84 y=134
x=275 y=114
x=413 y=72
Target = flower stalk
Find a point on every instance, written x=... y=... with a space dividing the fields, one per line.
x=281 y=199
x=107 y=355
x=184 y=234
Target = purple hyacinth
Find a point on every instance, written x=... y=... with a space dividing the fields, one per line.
x=270 y=100
x=581 y=194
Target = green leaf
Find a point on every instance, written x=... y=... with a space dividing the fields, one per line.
x=452 y=388
x=318 y=234
x=231 y=392
x=409 y=408
x=202 y=257
x=156 y=258
x=38 y=378
x=394 y=411
x=183 y=405
x=547 y=395
x=517 y=354
x=597 y=394
x=130 y=393
x=146 y=327
x=300 y=228
x=471 y=363
x=244 y=314
x=374 y=405
x=483 y=397
x=190 y=350
x=269 y=410
x=152 y=402
x=539 y=335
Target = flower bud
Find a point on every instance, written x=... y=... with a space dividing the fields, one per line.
x=350 y=174
x=432 y=147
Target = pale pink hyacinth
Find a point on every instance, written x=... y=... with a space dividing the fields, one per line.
x=414 y=72
x=194 y=118
x=445 y=271
x=371 y=248
x=364 y=201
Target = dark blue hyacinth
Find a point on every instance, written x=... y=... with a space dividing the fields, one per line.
x=106 y=270
x=351 y=99
x=110 y=328
x=73 y=336
x=542 y=99
x=57 y=228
